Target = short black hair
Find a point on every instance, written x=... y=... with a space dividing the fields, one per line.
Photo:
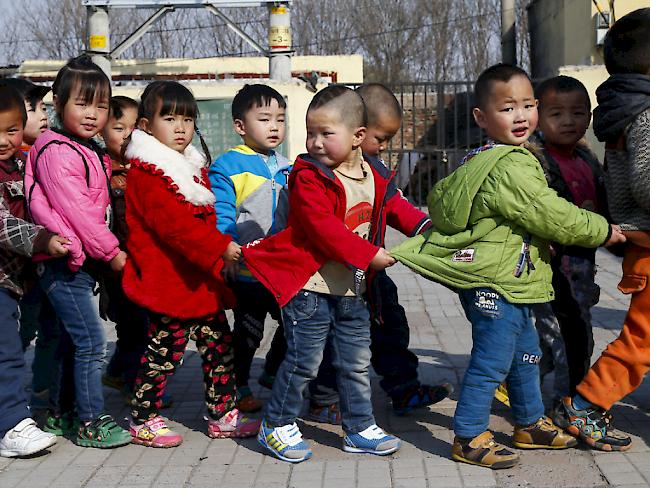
x=11 y=99
x=562 y=84
x=30 y=92
x=174 y=98
x=254 y=96
x=379 y=101
x=627 y=44
x=498 y=72
x=119 y=104
x=80 y=72
x=348 y=102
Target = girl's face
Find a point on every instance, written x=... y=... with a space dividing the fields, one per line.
x=118 y=130
x=36 y=121
x=81 y=117
x=173 y=130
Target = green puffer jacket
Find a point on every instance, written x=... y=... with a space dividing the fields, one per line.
x=482 y=213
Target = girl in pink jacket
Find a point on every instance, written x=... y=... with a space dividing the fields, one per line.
x=67 y=183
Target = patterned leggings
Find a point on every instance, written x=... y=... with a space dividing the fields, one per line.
x=167 y=342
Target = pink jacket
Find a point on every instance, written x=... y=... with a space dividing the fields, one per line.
x=69 y=197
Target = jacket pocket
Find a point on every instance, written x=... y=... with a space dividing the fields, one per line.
x=632 y=284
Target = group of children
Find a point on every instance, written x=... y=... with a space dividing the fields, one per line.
x=512 y=230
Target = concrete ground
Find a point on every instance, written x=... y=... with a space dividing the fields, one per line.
x=440 y=335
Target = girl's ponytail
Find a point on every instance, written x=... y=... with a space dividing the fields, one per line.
x=206 y=151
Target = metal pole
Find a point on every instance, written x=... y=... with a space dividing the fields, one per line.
x=280 y=42
x=508 y=35
x=99 y=38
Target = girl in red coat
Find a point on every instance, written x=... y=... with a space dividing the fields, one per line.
x=176 y=255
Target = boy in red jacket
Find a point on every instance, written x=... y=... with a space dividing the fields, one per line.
x=316 y=269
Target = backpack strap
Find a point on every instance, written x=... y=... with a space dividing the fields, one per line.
x=38 y=155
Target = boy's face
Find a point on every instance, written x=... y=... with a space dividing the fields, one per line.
x=510 y=115
x=329 y=139
x=564 y=117
x=37 y=122
x=11 y=133
x=118 y=130
x=379 y=134
x=262 y=127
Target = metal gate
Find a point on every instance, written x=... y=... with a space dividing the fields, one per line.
x=437 y=131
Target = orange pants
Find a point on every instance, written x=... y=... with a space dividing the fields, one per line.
x=623 y=364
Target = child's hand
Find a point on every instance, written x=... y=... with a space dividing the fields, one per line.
x=617 y=236
x=118 y=262
x=382 y=260
x=232 y=254
x=230 y=272
x=56 y=246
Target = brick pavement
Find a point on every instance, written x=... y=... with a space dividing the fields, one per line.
x=441 y=338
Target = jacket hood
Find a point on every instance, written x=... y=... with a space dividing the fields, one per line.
x=450 y=201
x=183 y=170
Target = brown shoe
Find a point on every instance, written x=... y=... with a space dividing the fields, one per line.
x=543 y=434
x=249 y=404
x=484 y=451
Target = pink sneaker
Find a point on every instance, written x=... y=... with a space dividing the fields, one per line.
x=154 y=433
x=233 y=424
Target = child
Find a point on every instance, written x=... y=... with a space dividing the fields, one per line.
x=389 y=329
x=247 y=182
x=131 y=321
x=37 y=319
x=622 y=121
x=19 y=435
x=574 y=172
x=67 y=192
x=493 y=219
x=316 y=270
x=175 y=266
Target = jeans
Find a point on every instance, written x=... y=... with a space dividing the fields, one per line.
x=37 y=319
x=13 y=397
x=505 y=347
x=71 y=296
x=308 y=319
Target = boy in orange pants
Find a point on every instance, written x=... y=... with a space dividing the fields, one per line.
x=622 y=121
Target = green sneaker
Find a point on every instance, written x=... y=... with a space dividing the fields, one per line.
x=102 y=433
x=61 y=424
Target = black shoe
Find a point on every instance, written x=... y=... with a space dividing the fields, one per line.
x=421 y=396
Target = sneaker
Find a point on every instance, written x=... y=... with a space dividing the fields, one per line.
x=154 y=433
x=592 y=425
x=233 y=424
x=115 y=382
x=484 y=451
x=422 y=396
x=61 y=424
x=25 y=439
x=266 y=380
x=102 y=433
x=284 y=442
x=373 y=440
x=501 y=394
x=325 y=414
x=543 y=434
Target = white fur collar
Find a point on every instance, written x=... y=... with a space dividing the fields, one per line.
x=182 y=169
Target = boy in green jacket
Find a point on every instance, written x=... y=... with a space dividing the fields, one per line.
x=493 y=220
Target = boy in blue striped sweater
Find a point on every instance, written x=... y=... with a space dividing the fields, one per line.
x=249 y=182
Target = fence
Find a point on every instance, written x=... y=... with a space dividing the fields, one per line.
x=437 y=131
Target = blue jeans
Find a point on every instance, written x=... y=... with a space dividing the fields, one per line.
x=71 y=296
x=308 y=319
x=505 y=348
x=13 y=397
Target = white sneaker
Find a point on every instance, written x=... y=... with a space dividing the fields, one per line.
x=25 y=439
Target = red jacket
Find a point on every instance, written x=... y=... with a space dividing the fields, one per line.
x=316 y=233
x=174 y=264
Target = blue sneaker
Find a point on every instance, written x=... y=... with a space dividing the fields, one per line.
x=284 y=442
x=373 y=440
